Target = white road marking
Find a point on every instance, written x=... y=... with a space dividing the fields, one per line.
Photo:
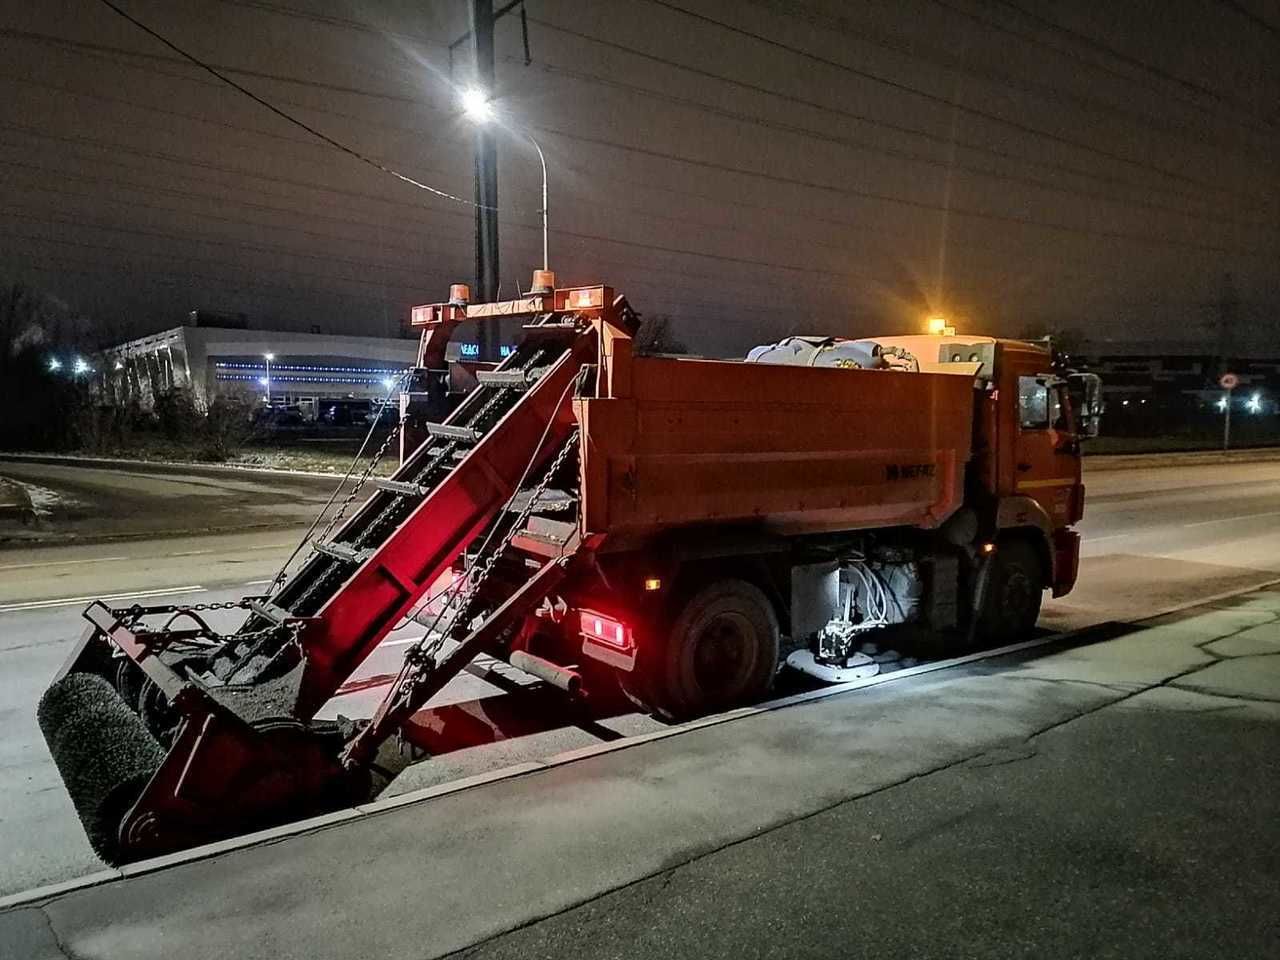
x=1246 y=516
x=57 y=563
x=69 y=601
x=258 y=583
x=1109 y=536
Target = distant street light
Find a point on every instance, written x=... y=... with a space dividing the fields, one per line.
x=80 y=366
x=266 y=381
x=55 y=364
x=479 y=109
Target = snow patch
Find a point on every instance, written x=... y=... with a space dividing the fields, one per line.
x=45 y=500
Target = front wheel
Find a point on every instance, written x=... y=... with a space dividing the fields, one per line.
x=1014 y=592
x=721 y=651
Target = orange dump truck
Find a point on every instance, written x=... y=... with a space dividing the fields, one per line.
x=681 y=527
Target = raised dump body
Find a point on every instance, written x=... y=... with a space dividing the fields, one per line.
x=677 y=527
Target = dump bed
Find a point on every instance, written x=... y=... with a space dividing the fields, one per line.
x=801 y=449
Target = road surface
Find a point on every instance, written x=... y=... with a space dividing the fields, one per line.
x=1154 y=538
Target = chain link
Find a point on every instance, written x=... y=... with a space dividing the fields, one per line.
x=131 y=616
x=477 y=575
x=364 y=478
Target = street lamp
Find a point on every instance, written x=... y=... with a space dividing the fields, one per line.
x=267 y=379
x=477 y=106
x=479 y=109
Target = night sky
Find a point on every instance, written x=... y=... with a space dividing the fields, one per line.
x=762 y=168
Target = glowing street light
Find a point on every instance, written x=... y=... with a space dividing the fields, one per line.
x=938 y=327
x=1255 y=403
x=55 y=364
x=266 y=381
x=477 y=106
x=479 y=109
x=80 y=366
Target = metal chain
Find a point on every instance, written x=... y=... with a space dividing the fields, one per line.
x=477 y=575
x=364 y=478
x=132 y=615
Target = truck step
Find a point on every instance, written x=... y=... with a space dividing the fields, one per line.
x=549 y=501
x=400 y=487
x=450 y=432
x=503 y=378
x=550 y=331
x=340 y=551
x=544 y=537
x=269 y=611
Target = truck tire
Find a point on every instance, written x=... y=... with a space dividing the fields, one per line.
x=721 y=651
x=1013 y=595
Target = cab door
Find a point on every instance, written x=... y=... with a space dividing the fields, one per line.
x=1046 y=449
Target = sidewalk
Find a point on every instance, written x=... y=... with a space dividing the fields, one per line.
x=1112 y=798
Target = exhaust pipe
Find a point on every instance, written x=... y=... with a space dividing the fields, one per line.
x=570 y=681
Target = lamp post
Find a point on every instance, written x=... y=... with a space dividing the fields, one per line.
x=268 y=357
x=479 y=109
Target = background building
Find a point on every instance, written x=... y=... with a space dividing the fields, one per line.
x=305 y=369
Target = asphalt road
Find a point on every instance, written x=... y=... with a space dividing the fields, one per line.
x=1091 y=798
x=1154 y=538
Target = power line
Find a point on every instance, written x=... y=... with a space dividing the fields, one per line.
x=1094 y=44
x=938 y=58
x=114 y=53
x=939 y=163
x=901 y=201
x=337 y=144
x=715 y=111
x=364 y=281
x=93 y=49
x=1248 y=14
x=1032 y=40
x=1163 y=241
x=310 y=212
x=46 y=264
x=935 y=98
x=358 y=26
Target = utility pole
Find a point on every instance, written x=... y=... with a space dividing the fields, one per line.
x=486 y=161
x=1228 y=315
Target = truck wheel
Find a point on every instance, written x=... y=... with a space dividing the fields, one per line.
x=1013 y=595
x=722 y=651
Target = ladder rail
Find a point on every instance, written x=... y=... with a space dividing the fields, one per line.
x=425 y=467
x=376 y=595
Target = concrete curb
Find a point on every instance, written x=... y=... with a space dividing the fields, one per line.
x=1185 y=458
x=161 y=466
x=218 y=848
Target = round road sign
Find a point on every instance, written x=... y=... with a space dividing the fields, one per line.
x=1229 y=381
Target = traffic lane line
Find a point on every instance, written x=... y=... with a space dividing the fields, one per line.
x=58 y=563
x=70 y=601
x=159 y=556
x=1245 y=516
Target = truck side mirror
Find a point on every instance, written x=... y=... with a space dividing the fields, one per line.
x=1085 y=390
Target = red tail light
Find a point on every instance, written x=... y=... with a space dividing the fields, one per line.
x=606 y=630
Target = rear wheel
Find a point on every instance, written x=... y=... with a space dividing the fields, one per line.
x=1014 y=593
x=721 y=651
